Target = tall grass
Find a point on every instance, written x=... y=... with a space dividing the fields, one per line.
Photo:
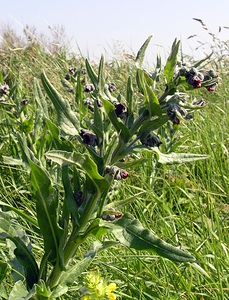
x=185 y=204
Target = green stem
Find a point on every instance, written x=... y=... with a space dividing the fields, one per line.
x=138 y=122
x=118 y=150
x=74 y=240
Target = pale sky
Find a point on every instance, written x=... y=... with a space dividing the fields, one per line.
x=100 y=26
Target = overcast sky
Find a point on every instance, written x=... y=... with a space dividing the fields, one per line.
x=102 y=25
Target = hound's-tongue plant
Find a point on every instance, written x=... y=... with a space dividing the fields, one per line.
x=91 y=149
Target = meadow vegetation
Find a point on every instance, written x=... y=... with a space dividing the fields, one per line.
x=71 y=187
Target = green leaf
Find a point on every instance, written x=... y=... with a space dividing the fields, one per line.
x=140 y=81
x=26 y=153
x=3 y=270
x=40 y=98
x=67 y=119
x=171 y=63
x=141 y=53
x=8 y=160
x=20 y=213
x=129 y=95
x=27 y=125
x=178 y=158
x=151 y=125
x=154 y=106
x=197 y=64
x=91 y=73
x=69 y=199
x=47 y=213
x=10 y=230
x=18 y=292
x=71 y=275
x=132 y=234
x=79 y=91
x=119 y=126
x=101 y=80
x=81 y=161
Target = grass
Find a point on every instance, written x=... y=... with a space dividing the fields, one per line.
x=185 y=205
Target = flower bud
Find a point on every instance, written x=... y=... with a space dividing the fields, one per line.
x=194 y=78
x=24 y=102
x=120 y=110
x=199 y=102
x=84 y=71
x=112 y=87
x=124 y=174
x=78 y=196
x=89 y=138
x=72 y=71
x=151 y=140
x=4 y=89
x=211 y=88
x=89 y=88
x=110 y=216
x=175 y=112
x=117 y=172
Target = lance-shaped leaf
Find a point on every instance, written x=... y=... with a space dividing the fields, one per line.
x=153 y=104
x=91 y=73
x=20 y=213
x=69 y=200
x=101 y=80
x=67 y=119
x=178 y=158
x=10 y=230
x=141 y=53
x=131 y=233
x=171 y=62
x=46 y=205
x=40 y=98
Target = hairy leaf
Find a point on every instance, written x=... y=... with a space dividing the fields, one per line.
x=141 y=53
x=67 y=119
x=131 y=233
x=171 y=62
x=47 y=214
x=178 y=158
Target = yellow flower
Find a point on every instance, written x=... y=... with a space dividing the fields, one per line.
x=111 y=296
x=111 y=287
x=85 y=297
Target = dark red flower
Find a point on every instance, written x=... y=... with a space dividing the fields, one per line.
x=124 y=174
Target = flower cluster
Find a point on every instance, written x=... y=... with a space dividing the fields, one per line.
x=117 y=172
x=89 y=87
x=95 y=287
x=90 y=103
x=196 y=78
x=112 y=87
x=4 y=89
x=151 y=140
x=111 y=215
x=120 y=110
x=175 y=112
x=88 y=137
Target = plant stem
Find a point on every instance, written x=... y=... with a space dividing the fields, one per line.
x=74 y=240
x=138 y=122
